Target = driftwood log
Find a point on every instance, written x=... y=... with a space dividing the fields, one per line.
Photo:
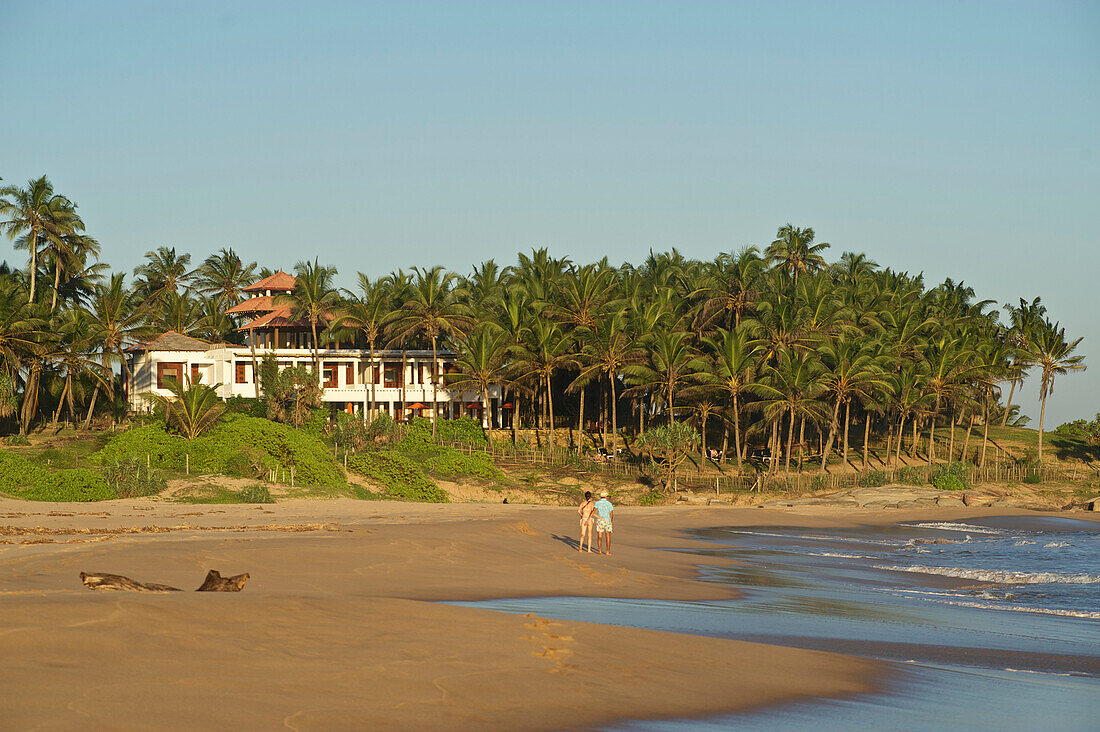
x=214 y=582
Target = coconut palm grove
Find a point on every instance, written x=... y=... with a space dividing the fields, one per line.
x=788 y=356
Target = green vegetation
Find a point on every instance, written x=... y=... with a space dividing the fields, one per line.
x=133 y=479
x=764 y=348
x=24 y=479
x=399 y=476
x=951 y=477
x=669 y=446
x=247 y=447
x=256 y=494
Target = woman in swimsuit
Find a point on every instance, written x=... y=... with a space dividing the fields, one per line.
x=587 y=511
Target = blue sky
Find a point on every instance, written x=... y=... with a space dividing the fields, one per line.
x=958 y=139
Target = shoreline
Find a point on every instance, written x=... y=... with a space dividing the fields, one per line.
x=342 y=622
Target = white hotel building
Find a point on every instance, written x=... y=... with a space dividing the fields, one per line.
x=400 y=389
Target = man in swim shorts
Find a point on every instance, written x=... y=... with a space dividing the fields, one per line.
x=604 y=513
x=587 y=510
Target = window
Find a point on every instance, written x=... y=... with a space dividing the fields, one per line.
x=166 y=371
x=392 y=376
x=242 y=372
x=328 y=373
x=196 y=373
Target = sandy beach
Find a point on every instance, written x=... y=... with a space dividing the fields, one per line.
x=341 y=624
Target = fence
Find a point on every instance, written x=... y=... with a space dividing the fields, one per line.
x=756 y=477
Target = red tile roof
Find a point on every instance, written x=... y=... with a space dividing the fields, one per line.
x=171 y=341
x=262 y=304
x=278 y=281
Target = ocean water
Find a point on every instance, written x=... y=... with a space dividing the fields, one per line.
x=991 y=624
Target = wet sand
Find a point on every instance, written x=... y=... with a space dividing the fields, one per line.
x=339 y=626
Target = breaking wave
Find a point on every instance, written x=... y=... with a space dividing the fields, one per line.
x=1005 y=577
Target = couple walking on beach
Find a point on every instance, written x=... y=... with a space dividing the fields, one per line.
x=596 y=515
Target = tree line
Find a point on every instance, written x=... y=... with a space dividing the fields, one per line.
x=767 y=347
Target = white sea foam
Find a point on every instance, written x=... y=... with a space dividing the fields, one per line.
x=1056 y=545
x=999 y=576
x=1020 y=609
x=841 y=556
x=1023 y=542
x=949 y=526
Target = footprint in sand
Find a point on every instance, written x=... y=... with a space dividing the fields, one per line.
x=554 y=651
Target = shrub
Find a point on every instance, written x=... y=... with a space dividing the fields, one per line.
x=652 y=498
x=1032 y=478
x=256 y=494
x=23 y=479
x=817 y=482
x=462 y=431
x=18 y=440
x=132 y=479
x=399 y=476
x=951 y=477
x=452 y=462
x=238 y=445
x=909 y=476
x=872 y=479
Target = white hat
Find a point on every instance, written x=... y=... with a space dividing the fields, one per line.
x=603 y=494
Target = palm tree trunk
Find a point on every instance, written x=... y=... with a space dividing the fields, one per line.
x=1008 y=404
x=932 y=440
x=790 y=441
x=368 y=407
x=725 y=442
x=737 y=433
x=32 y=243
x=966 y=442
x=832 y=434
x=801 y=443
x=61 y=399
x=435 y=388
x=913 y=451
x=847 y=421
x=614 y=422
x=580 y=415
x=30 y=397
x=487 y=417
x=91 y=407
x=550 y=412
x=773 y=447
x=316 y=354
x=515 y=415
x=866 y=436
x=702 y=442
x=985 y=433
x=1042 y=413
x=889 y=439
x=56 y=282
x=951 y=441
x=255 y=373
x=901 y=433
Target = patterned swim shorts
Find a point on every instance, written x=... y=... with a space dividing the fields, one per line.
x=603 y=526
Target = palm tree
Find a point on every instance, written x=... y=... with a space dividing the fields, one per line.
x=672 y=362
x=38 y=214
x=1052 y=353
x=76 y=357
x=314 y=299
x=543 y=349
x=364 y=313
x=480 y=365
x=120 y=320
x=791 y=389
x=225 y=275
x=734 y=361
x=164 y=272
x=852 y=372
x=794 y=251
x=607 y=353
x=192 y=408
x=1026 y=319
x=434 y=309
